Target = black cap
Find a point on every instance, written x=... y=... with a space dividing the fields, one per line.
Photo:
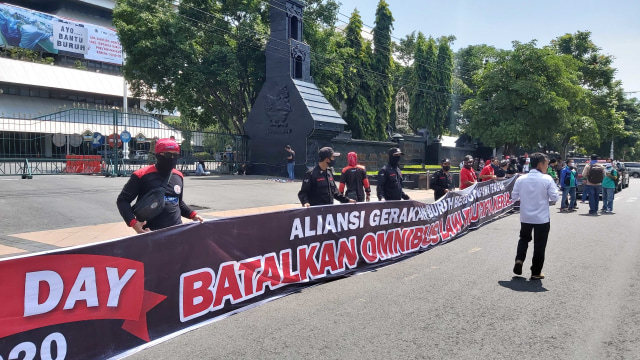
x=326 y=152
x=445 y=160
x=395 y=151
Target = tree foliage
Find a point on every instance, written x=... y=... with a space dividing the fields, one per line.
x=204 y=59
x=358 y=114
x=444 y=65
x=381 y=64
x=595 y=73
x=418 y=91
x=523 y=97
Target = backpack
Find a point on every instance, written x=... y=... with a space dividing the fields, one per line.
x=596 y=174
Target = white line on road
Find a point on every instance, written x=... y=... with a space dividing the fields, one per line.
x=632 y=199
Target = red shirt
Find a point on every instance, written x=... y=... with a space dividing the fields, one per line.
x=466 y=175
x=487 y=170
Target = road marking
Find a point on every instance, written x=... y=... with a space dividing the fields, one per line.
x=631 y=199
x=475 y=250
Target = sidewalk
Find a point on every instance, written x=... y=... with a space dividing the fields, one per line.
x=81 y=235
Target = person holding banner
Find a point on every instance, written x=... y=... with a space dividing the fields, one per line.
x=162 y=175
x=318 y=186
x=535 y=190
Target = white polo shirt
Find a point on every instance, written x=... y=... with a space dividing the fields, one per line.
x=535 y=190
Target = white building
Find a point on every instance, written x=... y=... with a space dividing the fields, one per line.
x=60 y=74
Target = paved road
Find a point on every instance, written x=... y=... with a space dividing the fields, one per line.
x=56 y=202
x=458 y=301
x=59 y=202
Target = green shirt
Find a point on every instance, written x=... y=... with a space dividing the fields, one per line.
x=609 y=183
x=551 y=172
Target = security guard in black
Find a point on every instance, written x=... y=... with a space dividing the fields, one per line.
x=147 y=179
x=441 y=181
x=154 y=176
x=318 y=186
x=389 y=186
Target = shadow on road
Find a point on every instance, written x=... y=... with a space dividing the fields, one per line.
x=518 y=283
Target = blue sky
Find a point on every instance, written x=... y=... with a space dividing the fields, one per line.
x=615 y=24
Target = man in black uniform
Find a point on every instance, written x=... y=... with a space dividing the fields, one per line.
x=390 y=178
x=318 y=187
x=441 y=181
x=154 y=176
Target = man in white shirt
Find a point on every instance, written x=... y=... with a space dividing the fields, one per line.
x=535 y=190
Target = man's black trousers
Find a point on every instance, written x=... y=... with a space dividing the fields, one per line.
x=540 y=235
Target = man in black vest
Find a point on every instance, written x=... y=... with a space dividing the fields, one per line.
x=318 y=186
x=390 y=178
x=441 y=181
x=161 y=174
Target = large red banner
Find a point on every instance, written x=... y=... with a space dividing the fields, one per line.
x=109 y=299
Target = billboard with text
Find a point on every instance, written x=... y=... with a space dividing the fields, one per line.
x=33 y=30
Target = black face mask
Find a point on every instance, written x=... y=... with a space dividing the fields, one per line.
x=331 y=163
x=446 y=168
x=165 y=164
x=394 y=160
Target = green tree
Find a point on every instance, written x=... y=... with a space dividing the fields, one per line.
x=406 y=49
x=205 y=59
x=627 y=146
x=525 y=95
x=358 y=114
x=596 y=74
x=382 y=65
x=419 y=94
x=327 y=59
x=468 y=62
x=429 y=84
x=444 y=65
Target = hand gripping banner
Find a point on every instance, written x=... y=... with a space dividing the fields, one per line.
x=109 y=299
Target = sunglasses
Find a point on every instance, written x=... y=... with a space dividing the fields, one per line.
x=171 y=155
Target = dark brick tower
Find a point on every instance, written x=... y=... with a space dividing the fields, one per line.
x=290 y=109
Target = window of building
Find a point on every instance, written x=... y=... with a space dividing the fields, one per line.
x=294 y=28
x=297 y=74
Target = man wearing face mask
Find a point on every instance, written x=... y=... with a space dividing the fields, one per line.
x=441 y=181
x=154 y=176
x=318 y=186
x=389 y=185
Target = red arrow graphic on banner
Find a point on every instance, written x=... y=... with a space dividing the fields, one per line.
x=54 y=289
x=139 y=327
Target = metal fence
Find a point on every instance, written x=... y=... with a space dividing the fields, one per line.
x=107 y=141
